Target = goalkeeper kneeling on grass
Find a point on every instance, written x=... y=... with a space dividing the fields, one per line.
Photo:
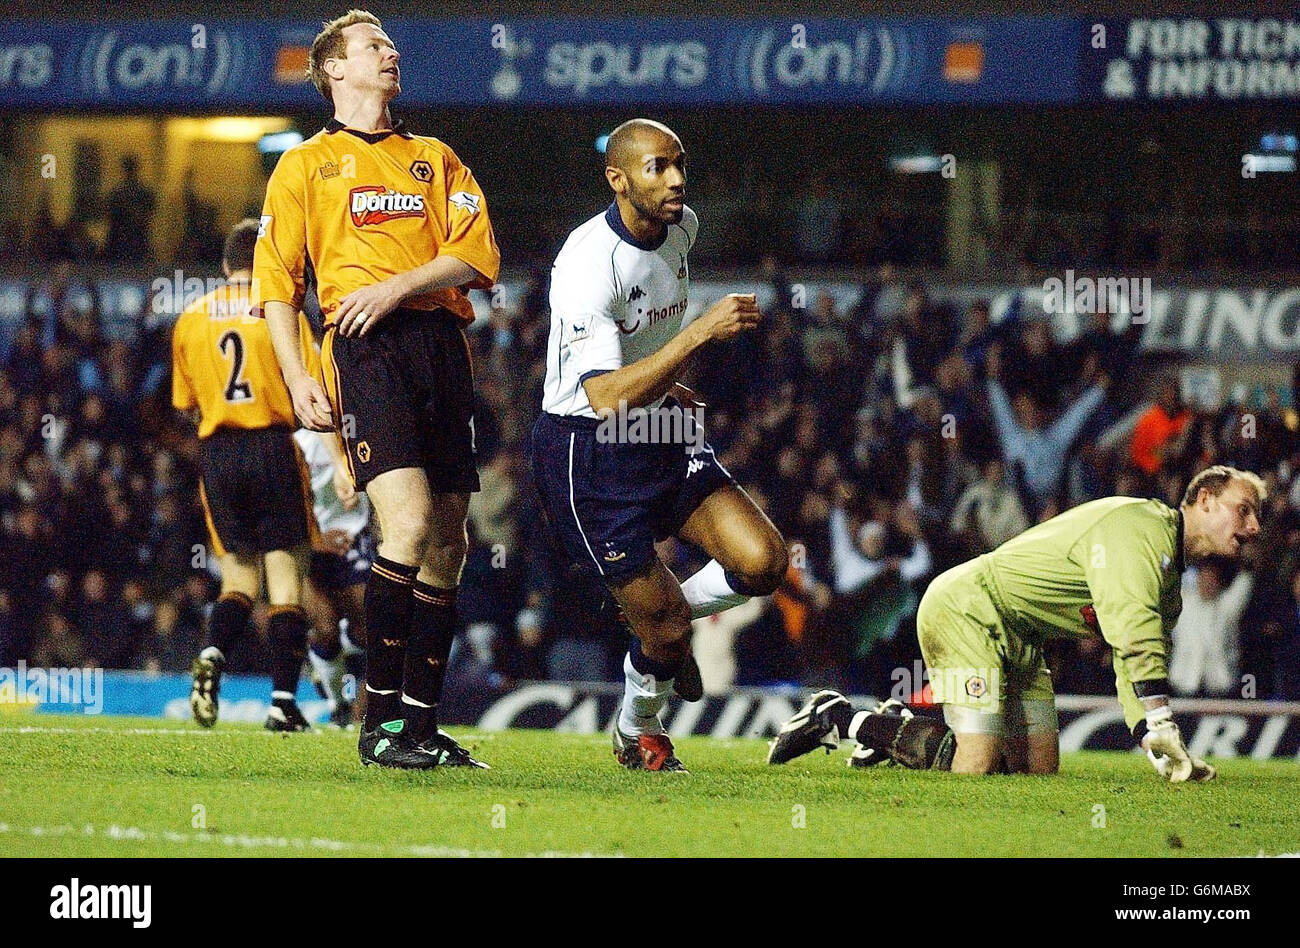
x=1110 y=567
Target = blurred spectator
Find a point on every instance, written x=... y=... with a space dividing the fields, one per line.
x=1157 y=431
x=105 y=625
x=130 y=216
x=1207 y=648
x=713 y=642
x=818 y=222
x=989 y=512
x=101 y=530
x=1034 y=450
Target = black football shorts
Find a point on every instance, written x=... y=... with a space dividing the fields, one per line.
x=403 y=396
x=255 y=490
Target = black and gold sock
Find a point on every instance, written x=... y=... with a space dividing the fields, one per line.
x=228 y=621
x=286 y=634
x=433 y=626
x=388 y=624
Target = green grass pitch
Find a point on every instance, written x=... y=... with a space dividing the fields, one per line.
x=135 y=787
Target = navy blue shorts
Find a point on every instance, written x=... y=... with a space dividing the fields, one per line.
x=607 y=503
x=337 y=571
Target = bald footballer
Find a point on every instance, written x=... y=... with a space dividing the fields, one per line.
x=1111 y=567
x=619 y=342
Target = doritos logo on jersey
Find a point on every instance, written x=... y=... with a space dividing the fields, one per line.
x=372 y=204
x=465 y=201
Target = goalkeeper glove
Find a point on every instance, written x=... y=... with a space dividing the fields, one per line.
x=1168 y=754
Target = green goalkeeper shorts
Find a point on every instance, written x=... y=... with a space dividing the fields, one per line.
x=988 y=678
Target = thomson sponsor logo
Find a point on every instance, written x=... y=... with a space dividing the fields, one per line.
x=63 y=686
x=74 y=901
x=667 y=424
x=648 y=317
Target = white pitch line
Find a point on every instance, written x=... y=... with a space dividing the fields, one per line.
x=149 y=731
x=133 y=834
x=191 y=732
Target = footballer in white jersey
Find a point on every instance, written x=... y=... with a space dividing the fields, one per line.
x=617 y=465
x=336 y=580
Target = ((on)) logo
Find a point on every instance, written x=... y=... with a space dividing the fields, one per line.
x=363 y=451
x=976 y=686
x=422 y=171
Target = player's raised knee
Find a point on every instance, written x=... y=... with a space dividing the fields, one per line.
x=763 y=569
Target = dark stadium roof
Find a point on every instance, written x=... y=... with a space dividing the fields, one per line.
x=318 y=10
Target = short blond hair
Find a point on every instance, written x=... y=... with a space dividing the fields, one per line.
x=330 y=43
x=1216 y=479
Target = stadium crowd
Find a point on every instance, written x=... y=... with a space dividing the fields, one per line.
x=887 y=442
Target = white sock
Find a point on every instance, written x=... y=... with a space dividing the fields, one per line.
x=644 y=696
x=708 y=591
x=345 y=640
x=858 y=718
x=330 y=672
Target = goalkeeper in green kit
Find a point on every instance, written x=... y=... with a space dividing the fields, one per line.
x=1110 y=567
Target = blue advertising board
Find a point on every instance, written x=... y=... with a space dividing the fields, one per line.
x=1215 y=728
x=556 y=62
x=1177 y=59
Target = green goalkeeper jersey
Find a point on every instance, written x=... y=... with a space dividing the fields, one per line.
x=1110 y=567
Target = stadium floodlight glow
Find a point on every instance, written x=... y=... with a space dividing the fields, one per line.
x=1263 y=164
x=278 y=142
x=1278 y=142
x=916 y=164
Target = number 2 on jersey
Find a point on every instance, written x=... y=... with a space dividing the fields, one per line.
x=231 y=345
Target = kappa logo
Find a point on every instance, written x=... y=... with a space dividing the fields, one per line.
x=681 y=271
x=636 y=294
x=363 y=451
x=373 y=204
x=465 y=201
x=976 y=686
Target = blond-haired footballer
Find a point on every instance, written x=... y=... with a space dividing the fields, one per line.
x=1111 y=567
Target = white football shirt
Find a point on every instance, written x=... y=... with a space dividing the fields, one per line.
x=614 y=301
x=329 y=511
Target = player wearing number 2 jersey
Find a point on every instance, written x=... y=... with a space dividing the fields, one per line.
x=254 y=488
